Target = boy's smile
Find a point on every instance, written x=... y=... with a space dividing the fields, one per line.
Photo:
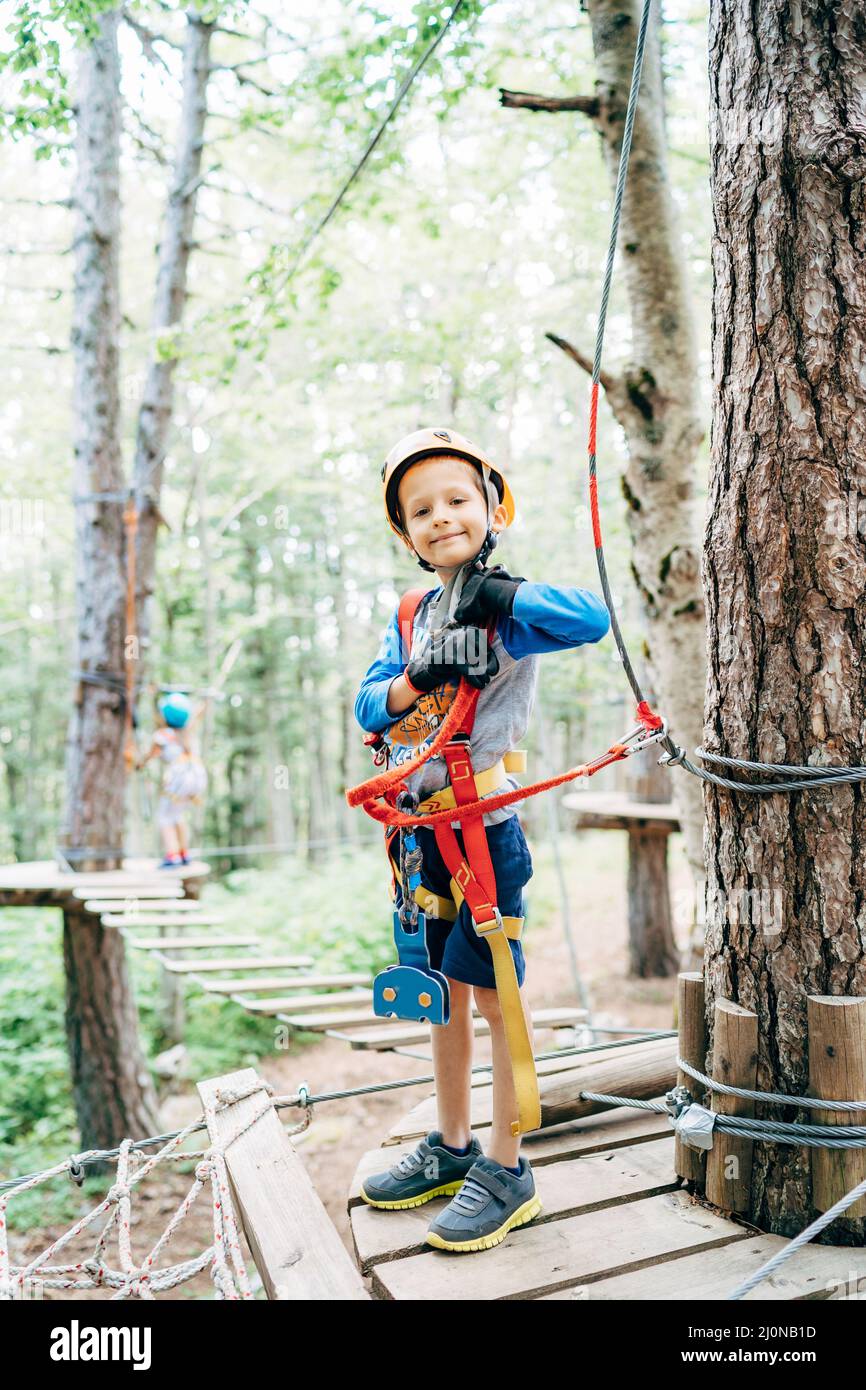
x=445 y=513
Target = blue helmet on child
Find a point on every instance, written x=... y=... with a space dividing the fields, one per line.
x=175 y=709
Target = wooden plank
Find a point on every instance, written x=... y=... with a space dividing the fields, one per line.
x=815 y=1272
x=297 y=1250
x=612 y=1177
x=314 y=1023
x=145 y=919
x=250 y=983
x=408 y=1033
x=423 y=1116
x=418 y=1032
x=131 y=904
x=555 y=1254
x=185 y=967
x=189 y=943
x=168 y=893
x=303 y=1002
x=601 y=1133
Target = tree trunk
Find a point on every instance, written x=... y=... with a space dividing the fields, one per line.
x=111 y=1085
x=652 y=948
x=784 y=565
x=95 y=769
x=154 y=418
x=655 y=398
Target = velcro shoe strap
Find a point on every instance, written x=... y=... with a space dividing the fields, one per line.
x=493 y=1184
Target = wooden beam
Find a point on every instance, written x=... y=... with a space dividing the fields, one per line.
x=296 y=1248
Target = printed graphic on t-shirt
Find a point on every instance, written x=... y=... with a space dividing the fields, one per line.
x=417 y=728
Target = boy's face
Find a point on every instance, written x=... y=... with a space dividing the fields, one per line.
x=444 y=511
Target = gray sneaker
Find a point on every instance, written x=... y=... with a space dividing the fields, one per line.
x=429 y=1171
x=490 y=1203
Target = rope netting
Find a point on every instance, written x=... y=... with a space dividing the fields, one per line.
x=143 y=1278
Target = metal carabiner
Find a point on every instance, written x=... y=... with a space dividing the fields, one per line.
x=642 y=738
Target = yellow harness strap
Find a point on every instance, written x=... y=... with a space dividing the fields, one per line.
x=492 y=779
x=523 y=1073
x=517 y=1036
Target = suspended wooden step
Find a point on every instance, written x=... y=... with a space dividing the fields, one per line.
x=184 y=967
x=178 y=919
x=109 y=896
x=189 y=943
x=317 y=1000
x=398 y=1032
x=250 y=983
x=133 y=904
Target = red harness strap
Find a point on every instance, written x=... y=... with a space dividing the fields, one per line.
x=472 y=870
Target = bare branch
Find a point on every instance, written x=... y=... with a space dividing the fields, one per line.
x=35 y=250
x=614 y=386
x=147 y=38
x=528 y=101
x=40 y=202
x=286 y=213
x=244 y=80
x=53 y=351
x=251 y=62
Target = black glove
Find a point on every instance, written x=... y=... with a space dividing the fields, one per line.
x=487 y=594
x=450 y=654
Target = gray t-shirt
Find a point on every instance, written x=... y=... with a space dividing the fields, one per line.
x=501 y=721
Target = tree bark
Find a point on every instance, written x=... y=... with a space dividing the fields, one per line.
x=113 y=1092
x=154 y=417
x=94 y=767
x=784 y=559
x=654 y=399
x=111 y=1084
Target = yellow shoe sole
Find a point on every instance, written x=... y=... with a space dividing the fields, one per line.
x=447 y=1190
x=524 y=1214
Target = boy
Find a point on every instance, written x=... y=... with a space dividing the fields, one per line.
x=449 y=504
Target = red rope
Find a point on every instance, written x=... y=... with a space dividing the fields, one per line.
x=378 y=809
x=463 y=702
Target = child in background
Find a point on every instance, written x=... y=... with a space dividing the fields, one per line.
x=184 y=780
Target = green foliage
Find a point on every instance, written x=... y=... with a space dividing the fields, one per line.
x=32 y=59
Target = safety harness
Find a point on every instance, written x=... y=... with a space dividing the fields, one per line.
x=412 y=989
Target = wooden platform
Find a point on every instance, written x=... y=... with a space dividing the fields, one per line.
x=614 y=811
x=615 y=1225
x=44 y=883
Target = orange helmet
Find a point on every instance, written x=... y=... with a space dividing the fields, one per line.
x=424 y=444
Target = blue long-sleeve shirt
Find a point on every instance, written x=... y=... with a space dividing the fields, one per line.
x=543 y=619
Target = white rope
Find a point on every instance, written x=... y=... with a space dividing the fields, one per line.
x=224 y=1257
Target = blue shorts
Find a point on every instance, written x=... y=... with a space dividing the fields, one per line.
x=455 y=947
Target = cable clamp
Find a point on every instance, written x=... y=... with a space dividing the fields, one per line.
x=694 y=1126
